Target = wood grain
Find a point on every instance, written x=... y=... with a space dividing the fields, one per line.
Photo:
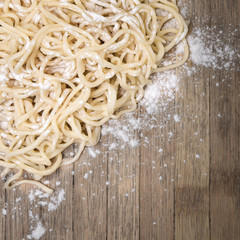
x=225 y=140
x=181 y=183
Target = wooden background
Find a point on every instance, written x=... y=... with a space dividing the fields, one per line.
x=197 y=198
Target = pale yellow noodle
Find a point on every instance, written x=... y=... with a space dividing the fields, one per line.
x=67 y=67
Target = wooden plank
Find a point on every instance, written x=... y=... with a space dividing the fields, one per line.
x=90 y=196
x=123 y=188
x=193 y=158
x=225 y=167
x=51 y=220
x=157 y=171
x=225 y=135
x=192 y=162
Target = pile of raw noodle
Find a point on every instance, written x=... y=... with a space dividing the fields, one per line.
x=67 y=67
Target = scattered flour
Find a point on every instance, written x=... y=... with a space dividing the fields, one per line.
x=55 y=201
x=176 y=118
x=40 y=198
x=58 y=183
x=37 y=194
x=122 y=131
x=4 y=211
x=38 y=232
x=160 y=92
x=93 y=152
x=85 y=176
x=208 y=48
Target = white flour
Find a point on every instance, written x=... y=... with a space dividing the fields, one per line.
x=38 y=232
x=209 y=49
x=160 y=92
x=52 y=201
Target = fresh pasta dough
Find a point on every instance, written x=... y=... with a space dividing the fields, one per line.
x=67 y=67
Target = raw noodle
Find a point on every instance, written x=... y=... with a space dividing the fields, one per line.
x=67 y=67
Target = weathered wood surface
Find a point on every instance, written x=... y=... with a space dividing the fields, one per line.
x=198 y=196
